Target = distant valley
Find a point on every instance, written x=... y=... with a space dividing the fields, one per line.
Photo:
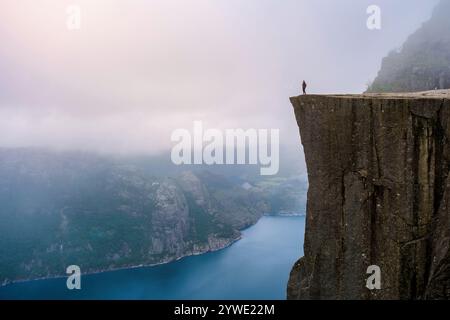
x=64 y=208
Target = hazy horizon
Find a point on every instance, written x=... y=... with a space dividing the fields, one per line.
x=138 y=70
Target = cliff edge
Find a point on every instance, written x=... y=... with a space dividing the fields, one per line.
x=379 y=193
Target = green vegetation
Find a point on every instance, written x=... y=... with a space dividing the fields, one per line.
x=59 y=209
x=423 y=63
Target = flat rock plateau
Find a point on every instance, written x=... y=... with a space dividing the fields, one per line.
x=379 y=193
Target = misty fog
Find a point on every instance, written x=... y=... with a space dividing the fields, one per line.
x=137 y=70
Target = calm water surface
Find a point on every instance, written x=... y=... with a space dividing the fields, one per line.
x=256 y=267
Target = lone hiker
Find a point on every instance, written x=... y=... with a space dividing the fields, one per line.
x=304 y=85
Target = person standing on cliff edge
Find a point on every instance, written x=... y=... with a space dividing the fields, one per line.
x=304 y=85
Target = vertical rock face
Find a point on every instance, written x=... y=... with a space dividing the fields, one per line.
x=379 y=194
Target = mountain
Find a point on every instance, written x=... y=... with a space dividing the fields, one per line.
x=72 y=208
x=423 y=63
x=378 y=167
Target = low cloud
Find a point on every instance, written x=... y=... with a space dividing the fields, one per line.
x=137 y=70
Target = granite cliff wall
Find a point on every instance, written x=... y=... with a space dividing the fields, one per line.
x=379 y=193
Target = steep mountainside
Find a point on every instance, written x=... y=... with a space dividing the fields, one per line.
x=379 y=195
x=423 y=63
x=59 y=209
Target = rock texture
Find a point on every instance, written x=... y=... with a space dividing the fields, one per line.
x=379 y=194
x=423 y=61
x=59 y=209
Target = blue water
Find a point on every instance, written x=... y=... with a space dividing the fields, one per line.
x=256 y=267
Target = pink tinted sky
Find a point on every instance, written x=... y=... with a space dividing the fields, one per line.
x=137 y=70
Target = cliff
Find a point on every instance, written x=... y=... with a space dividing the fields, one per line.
x=63 y=208
x=423 y=62
x=378 y=194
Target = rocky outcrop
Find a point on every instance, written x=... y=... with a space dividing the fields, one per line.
x=59 y=209
x=423 y=62
x=379 y=194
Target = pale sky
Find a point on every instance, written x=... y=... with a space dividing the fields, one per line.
x=137 y=70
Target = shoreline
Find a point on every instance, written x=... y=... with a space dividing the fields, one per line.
x=191 y=254
x=287 y=214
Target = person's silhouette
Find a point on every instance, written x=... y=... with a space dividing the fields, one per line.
x=304 y=85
